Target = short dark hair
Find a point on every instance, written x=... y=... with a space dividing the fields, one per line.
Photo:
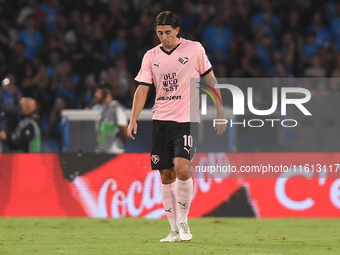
x=166 y=18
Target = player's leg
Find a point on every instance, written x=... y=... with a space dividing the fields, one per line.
x=184 y=194
x=162 y=160
x=169 y=199
x=184 y=149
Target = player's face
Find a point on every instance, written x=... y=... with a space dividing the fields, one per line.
x=168 y=36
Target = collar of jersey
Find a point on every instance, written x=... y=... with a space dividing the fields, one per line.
x=169 y=52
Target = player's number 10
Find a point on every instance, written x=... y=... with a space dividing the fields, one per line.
x=187 y=140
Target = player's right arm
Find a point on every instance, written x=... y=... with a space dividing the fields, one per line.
x=138 y=103
x=145 y=79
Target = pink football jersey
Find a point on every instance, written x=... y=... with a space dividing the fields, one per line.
x=170 y=72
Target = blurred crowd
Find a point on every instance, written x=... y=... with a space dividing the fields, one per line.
x=57 y=51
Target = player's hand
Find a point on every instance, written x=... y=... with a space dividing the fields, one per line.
x=3 y=136
x=132 y=128
x=221 y=128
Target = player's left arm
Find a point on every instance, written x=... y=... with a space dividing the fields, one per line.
x=211 y=80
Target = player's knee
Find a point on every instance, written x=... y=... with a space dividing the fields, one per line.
x=183 y=172
x=167 y=176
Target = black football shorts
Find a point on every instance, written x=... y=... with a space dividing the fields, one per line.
x=170 y=140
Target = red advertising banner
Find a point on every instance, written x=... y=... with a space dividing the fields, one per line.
x=33 y=185
x=281 y=185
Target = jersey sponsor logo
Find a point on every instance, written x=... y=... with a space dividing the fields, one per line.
x=170 y=82
x=157 y=64
x=168 y=98
x=155 y=159
x=183 y=60
x=188 y=150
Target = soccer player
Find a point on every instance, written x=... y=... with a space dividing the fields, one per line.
x=169 y=67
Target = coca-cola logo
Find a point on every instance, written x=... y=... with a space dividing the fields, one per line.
x=122 y=204
x=141 y=198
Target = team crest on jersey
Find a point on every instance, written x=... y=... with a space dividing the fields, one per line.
x=183 y=60
x=155 y=159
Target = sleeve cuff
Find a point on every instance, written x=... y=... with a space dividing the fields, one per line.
x=143 y=83
x=206 y=72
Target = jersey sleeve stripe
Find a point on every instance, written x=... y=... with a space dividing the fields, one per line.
x=144 y=83
x=208 y=71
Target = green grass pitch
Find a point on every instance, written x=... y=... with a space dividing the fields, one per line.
x=249 y=236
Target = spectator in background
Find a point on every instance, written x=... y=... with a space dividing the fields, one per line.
x=275 y=69
x=218 y=40
x=293 y=24
x=26 y=136
x=265 y=51
x=327 y=57
x=103 y=20
x=309 y=48
x=281 y=71
x=19 y=62
x=34 y=83
x=119 y=44
x=53 y=63
x=99 y=49
x=146 y=23
x=335 y=26
x=335 y=85
x=136 y=49
x=251 y=65
x=315 y=70
x=26 y=12
x=32 y=39
x=94 y=50
x=119 y=18
x=62 y=23
x=288 y=49
x=50 y=11
x=92 y=7
x=206 y=13
x=65 y=84
x=55 y=43
x=236 y=16
x=4 y=66
x=112 y=129
x=266 y=22
x=322 y=33
x=189 y=19
x=10 y=96
x=121 y=80
x=336 y=70
x=4 y=37
x=221 y=70
x=85 y=98
x=75 y=22
x=7 y=9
